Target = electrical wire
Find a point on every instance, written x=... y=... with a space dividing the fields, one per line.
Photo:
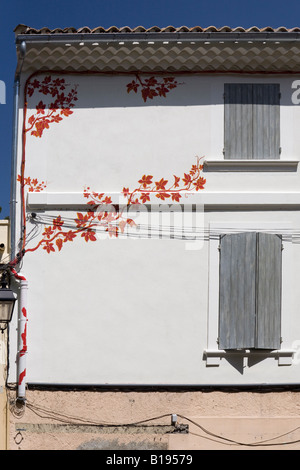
x=178 y=232
x=66 y=418
x=43 y=412
x=264 y=443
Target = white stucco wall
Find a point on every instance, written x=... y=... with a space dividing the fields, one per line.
x=135 y=310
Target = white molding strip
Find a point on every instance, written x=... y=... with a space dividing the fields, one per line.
x=284 y=356
x=208 y=199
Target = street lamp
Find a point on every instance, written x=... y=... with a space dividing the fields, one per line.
x=7 y=303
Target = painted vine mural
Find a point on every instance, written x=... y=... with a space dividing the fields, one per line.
x=59 y=107
x=99 y=215
x=151 y=87
x=56 y=98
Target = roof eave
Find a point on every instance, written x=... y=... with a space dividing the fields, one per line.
x=74 y=38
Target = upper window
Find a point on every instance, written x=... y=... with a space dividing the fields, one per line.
x=250 y=291
x=252 y=121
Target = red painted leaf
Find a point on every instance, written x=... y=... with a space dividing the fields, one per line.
x=148 y=93
x=151 y=81
x=59 y=243
x=90 y=214
x=57 y=223
x=69 y=236
x=161 y=184
x=107 y=200
x=162 y=196
x=176 y=183
x=89 y=235
x=126 y=192
x=56 y=118
x=122 y=225
x=48 y=232
x=40 y=108
x=47 y=79
x=187 y=179
x=112 y=231
x=144 y=197
x=31 y=120
x=131 y=222
x=193 y=170
x=176 y=197
x=162 y=90
x=66 y=112
x=35 y=83
x=169 y=79
x=200 y=183
x=133 y=86
x=48 y=247
x=81 y=220
x=44 y=89
x=146 y=180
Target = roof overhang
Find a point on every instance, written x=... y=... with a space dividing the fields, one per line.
x=156 y=51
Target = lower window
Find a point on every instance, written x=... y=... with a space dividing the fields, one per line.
x=250 y=272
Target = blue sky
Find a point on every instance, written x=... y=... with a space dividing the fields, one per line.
x=93 y=13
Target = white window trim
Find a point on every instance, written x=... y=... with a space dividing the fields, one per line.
x=212 y=354
x=287 y=132
x=219 y=165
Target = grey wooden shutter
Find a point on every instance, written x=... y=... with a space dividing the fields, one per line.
x=238 y=120
x=266 y=121
x=250 y=291
x=252 y=121
x=237 y=291
x=268 y=324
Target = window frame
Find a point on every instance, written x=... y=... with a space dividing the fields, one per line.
x=250 y=92
x=212 y=354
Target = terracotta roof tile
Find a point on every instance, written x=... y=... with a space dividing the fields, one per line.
x=23 y=29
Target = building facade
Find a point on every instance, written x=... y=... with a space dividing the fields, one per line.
x=155 y=238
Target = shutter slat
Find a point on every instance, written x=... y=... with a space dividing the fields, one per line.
x=237 y=291
x=268 y=291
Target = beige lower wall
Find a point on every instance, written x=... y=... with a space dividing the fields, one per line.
x=64 y=420
x=4 y=257
x=3 y=419
x=3 y=395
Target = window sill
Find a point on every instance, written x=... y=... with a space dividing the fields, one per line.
x=250 y=165
x=213 y=356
